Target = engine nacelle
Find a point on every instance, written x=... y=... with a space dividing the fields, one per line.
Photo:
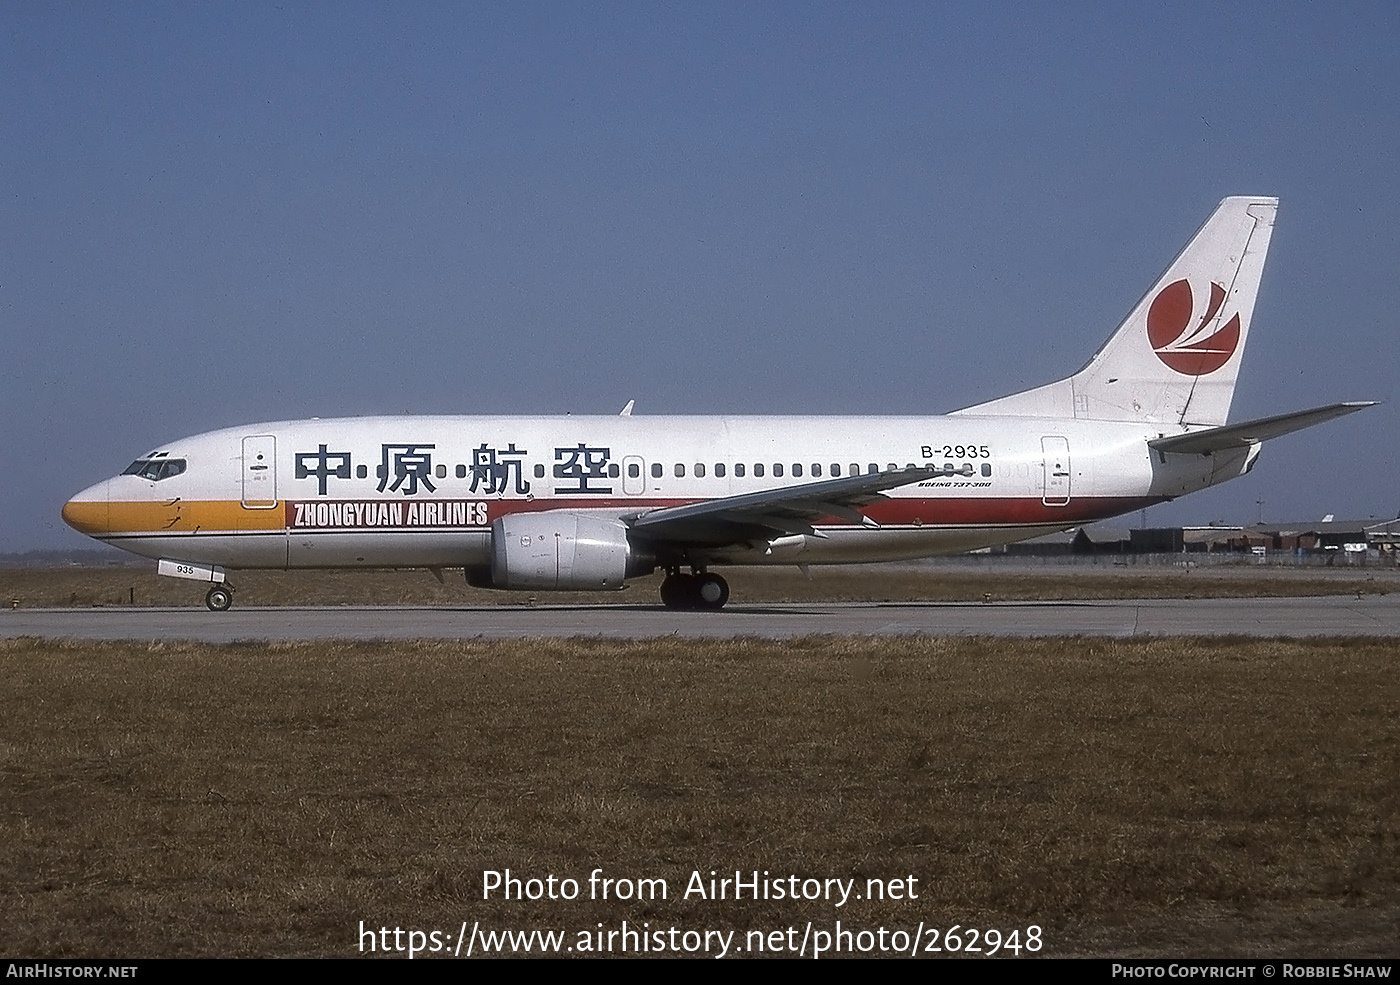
x=561 y=550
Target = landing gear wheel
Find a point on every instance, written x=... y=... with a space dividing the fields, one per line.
x=710 y=591
x=677 y=591
x=219 y=599
x=702 y=591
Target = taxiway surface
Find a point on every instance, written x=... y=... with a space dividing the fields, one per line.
x=1336 y=615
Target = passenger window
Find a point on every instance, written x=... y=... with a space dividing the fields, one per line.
x=893 y=467
x=539 y=471
x=835 y=470
x=634 y=471
x=719 y=470
x=855 y=469
x=680 y=471
x=442 y=471
x=816 y=471
x=613 y=472
x=362 y=471
x=699 y=470
x=874 y=468
x=461 y=471
x=797 y=471
x=758 y=471
x=657 y=470
x=986 y=469
x=777 y=470
x=739 y=470
x=379 y=471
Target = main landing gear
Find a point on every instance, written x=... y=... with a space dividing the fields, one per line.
x=701 y=590
x=219 y=598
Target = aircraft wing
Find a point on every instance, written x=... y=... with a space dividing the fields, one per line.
x=1253 y=432
x=774 y=512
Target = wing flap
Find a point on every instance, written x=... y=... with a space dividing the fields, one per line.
x=783 y=510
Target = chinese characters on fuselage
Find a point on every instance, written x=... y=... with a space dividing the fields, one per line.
x=583 y=465
x=407 y=468
x=413 y=463
x=492 y=470
x=329 y=464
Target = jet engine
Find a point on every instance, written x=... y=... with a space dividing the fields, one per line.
x=556 y=550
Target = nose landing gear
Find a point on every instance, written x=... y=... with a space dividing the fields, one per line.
x=702 y=590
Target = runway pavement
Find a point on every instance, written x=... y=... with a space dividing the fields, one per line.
x=1337 y=615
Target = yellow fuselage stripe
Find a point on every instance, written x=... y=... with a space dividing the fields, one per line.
x=177 y=516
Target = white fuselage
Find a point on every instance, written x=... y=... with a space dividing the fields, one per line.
x=424 y=491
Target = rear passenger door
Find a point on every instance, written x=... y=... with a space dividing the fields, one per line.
x=1055 y=452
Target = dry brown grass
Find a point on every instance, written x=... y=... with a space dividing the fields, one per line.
x=115 y=586
x=1160 y=796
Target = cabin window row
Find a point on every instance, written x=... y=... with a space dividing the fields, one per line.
x=760 y=470
x=779 y=470
x=699 y=470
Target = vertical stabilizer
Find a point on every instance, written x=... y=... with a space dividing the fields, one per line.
x=1176 y=357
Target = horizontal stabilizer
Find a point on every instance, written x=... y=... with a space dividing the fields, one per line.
x=1253 y=432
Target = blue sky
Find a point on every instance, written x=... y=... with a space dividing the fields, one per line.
x=221 y=214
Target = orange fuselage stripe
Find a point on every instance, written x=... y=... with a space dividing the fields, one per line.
x=177 y=516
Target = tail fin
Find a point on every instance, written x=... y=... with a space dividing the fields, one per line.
x=1174 y=360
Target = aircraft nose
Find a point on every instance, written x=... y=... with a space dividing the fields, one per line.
x=88 y=511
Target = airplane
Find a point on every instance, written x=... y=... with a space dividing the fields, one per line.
x=587 y=502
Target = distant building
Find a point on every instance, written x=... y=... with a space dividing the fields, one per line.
x=1385 y=537
x=1350 y=536
x=1354 y=538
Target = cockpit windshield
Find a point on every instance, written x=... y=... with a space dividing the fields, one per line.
x=156 y=469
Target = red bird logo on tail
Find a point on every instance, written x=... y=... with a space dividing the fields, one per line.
x=1181 y=346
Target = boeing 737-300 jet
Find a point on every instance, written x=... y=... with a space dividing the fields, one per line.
x=545 y=503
